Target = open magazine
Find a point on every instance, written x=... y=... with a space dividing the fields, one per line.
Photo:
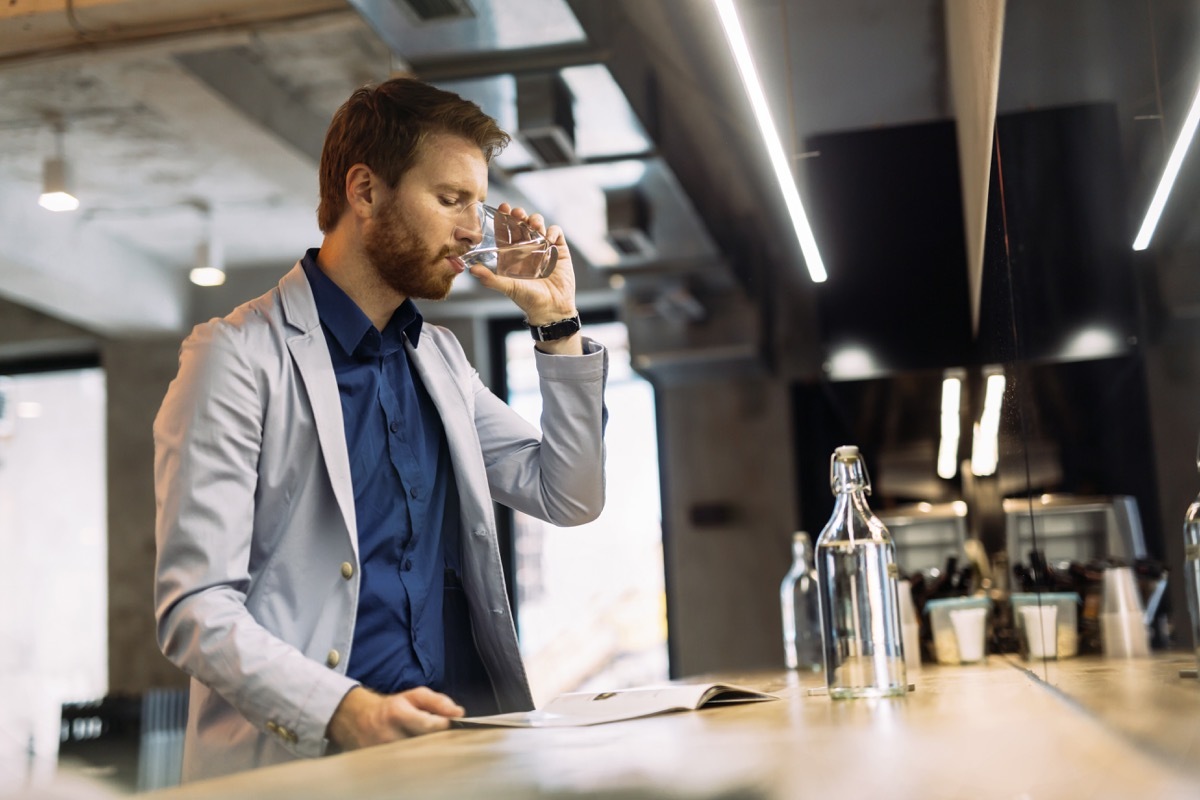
x=593 y=708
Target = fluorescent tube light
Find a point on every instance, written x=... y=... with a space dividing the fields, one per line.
x=947 y=462
x=985 y=445
x=766 y=126
x=983 y=452
x=951 y=398
x=1168 y=178
x=994 y=396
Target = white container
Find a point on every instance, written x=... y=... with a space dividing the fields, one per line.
x=970 y=630
x=1122 y=626
x=959 y=628
x=1066 y=640
x=1041 y=630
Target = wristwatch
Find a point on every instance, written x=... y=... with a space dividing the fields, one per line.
x=555 y=330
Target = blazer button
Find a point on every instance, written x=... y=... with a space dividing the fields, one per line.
x=347 y=570
x=333 y=658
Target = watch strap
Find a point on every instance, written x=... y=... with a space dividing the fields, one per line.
x=555 y=330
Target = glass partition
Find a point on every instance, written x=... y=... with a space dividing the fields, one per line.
x=1023 y=457
x=1103 y=439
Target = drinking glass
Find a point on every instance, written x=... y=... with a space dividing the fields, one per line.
x=506 y=246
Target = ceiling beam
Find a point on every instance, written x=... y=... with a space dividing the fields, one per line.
x=974 y=31
x=61 y=265
x=37 y=30
x=239 y=76
x=507 y=62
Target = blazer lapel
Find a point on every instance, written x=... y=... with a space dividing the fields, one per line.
x=311 y=354
x=474 y=500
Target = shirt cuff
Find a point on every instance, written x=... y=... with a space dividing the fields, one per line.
x=589 y=366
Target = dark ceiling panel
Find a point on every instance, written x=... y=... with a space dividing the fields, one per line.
x=889 y=219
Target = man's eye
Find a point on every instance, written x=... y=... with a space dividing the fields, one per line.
x=449 y=201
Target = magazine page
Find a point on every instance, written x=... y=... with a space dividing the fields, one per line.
x=594 y=708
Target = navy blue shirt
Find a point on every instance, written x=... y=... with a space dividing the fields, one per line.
x=405 y=499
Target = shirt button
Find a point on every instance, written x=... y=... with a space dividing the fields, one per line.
x=347 y=570
x=407 y=564
x=333 y=658
x=395 y=426
x=413 y=492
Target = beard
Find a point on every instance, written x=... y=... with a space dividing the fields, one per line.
x=401 y=259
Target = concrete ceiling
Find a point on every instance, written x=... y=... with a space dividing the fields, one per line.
x=169 y=108
x=151 y=142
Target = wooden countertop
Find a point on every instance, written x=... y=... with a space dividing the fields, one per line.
x=1146 y=701
x=1098 y=729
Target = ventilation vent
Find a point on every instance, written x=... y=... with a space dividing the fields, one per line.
x=546 y=119
x=550 y=147
x=438 y=10
x=631 y=243
x=628 y=211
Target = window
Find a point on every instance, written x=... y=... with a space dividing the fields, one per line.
x=590 y=600
x=53 y=543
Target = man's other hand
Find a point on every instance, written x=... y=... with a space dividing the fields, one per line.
x=365 y=718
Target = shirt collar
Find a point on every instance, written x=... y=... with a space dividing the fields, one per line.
x=347 y=322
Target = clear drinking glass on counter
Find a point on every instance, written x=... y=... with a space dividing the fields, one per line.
x=1122 y=618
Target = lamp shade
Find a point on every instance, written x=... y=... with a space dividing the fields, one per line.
x=56 y=194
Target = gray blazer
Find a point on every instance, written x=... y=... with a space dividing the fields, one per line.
x=257 y=572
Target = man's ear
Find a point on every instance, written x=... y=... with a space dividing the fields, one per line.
x=362 y=190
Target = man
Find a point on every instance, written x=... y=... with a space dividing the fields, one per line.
x=325 y=462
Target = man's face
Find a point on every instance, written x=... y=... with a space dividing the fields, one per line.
x=412 y=239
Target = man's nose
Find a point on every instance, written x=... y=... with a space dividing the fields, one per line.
x=470 y=227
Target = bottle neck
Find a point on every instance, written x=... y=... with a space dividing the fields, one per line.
x=852 y=516
x=801 y=550
x=851 y=501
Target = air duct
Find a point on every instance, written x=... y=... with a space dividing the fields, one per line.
x=629 y=221
x=546 y=119
x=437 y=10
